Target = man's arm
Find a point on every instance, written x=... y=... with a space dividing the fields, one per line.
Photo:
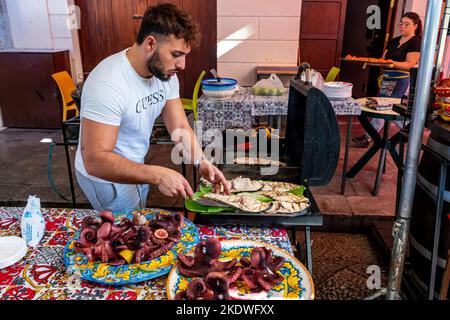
x=97 y=145
x=175 y=119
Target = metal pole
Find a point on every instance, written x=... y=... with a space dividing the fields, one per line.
x=401 y=226
x=442 y=41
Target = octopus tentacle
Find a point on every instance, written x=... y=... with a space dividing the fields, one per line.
x=90 y=221
x=118 y=262
x=187 y=272
x=257 y=258
x=225 y=265
x=248 y=276
x=87 y=249
x=174 y=235
x=276 y=278
x=263 y=281
x=268 y=255
x=181 y=295
x=139 y=255
x=234 y=275
x=160 y=251
x=107 y=215
x=104 y=231
x=186 y=260
x=276 y=263
x=88 y=235
x=245 y=262
x=177 y=219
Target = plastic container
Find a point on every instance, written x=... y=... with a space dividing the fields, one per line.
x=225 y=84
x=32 y=223
x=337 y=89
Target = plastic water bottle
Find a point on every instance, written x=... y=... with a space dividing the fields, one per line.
x=32 y=224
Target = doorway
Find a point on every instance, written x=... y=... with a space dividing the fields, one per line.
x=364 y=42
x=321 y=33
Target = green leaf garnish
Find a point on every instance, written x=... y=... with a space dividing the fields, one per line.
x=298 y=191
x=256 y=196
x=205 y=189
x=194 y=206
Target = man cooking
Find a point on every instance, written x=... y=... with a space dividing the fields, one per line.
x=121 y=99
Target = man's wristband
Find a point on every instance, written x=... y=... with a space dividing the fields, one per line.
x=197 y=164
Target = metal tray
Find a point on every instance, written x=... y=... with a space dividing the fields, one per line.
x=304 y=212
x=369 y=63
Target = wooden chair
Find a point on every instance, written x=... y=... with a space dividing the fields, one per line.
x=66 y=87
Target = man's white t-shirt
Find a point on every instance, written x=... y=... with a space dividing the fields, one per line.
x=115 y=94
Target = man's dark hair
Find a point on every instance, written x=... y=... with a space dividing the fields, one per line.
x=168 y=19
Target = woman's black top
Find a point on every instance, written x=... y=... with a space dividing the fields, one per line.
x=396 y=53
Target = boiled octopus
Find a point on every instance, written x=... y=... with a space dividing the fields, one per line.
x=217 y=280
x=104 y=239
x=205 y=260
x=260 y=271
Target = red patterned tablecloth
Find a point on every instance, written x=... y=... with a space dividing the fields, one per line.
x=41 y=274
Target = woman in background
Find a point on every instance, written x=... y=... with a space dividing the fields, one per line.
x=404 y=51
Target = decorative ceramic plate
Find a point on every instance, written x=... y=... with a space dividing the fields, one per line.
x=130 y=273
x=297 y=285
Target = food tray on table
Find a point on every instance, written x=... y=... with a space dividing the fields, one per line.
x=252 y=198
x=128 y=273
x=295 y=283
x=288 y=173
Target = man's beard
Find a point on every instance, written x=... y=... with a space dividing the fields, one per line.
x=156 y=68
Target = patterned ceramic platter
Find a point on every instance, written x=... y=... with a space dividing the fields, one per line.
x=130 y=273
x=297 y=285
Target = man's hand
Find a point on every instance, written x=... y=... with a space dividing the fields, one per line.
x=172 y=183
x=214 y=175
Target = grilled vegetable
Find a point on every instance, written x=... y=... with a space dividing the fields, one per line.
x=286 y=207
x=258 y=162
x=283 y=196
x=278 y=186
x=245 y=185
x=243 y=203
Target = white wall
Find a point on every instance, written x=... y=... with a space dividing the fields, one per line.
x=43 y=25
x=419 y=7
x=5 y=33
x=30 y=28
x=256 y=32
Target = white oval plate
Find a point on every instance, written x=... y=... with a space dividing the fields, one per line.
x=12 y=250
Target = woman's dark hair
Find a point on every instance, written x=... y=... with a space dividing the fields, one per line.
x=168 y=19
x=416 y=19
